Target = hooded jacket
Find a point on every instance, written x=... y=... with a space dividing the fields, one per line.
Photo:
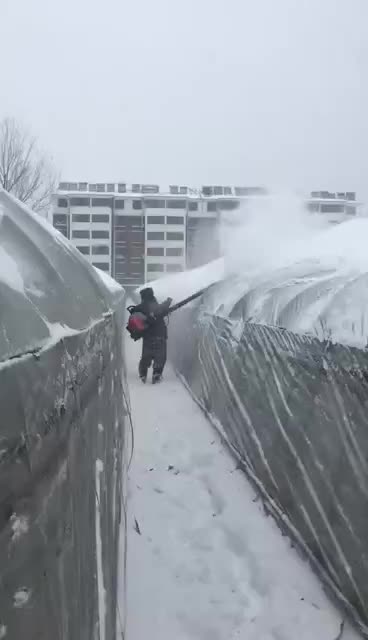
x=155 y=313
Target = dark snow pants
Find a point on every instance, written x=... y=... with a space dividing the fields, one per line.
x=153 y=350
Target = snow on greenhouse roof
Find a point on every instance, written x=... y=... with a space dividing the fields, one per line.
x=284 y=271
x=47 y=288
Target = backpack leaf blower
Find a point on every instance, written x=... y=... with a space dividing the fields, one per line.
x=138 y=322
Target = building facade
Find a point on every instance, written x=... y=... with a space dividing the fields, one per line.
x=138 y=233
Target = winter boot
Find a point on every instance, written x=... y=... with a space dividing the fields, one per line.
x=157 y=377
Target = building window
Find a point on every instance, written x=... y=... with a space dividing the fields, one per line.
x=313 y=206
x=120 y=251
x=207 y=191
x=155 y=267
x=202 y=223
x=81 y=217
x=137 y=204
x=100 y=187
x=195 y=222
x=101 y=217
x=104 y=266
x=174 y=251
x=102 y=202
x=100 y=250
x=155 y=251
x=79 y=202
x=80 y=234
x=332 y=208
x=121 y=235
x=84 y=250
x=155 y=235
x=119 y=204
x=171 y=268
x=176 y=204
x=250 y=191
x=155 y=219
x=227 y=205
x=99 y=235
x=60 y=218
x=154 y=204
x=121 y=187
x=68 y=186
x=150 y=188
x=136 y=188
x=211 y=206
x=129 y=221
x=193 y=206
x=111 y=187
x=175 y=235
x=175 y=220
x=62 y=203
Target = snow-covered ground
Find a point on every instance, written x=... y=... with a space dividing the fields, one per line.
x=204 y=562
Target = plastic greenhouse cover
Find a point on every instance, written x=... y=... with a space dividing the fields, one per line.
x=277 y=358
x=63 y=438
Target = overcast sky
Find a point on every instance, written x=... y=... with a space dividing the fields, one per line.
x=249 y=92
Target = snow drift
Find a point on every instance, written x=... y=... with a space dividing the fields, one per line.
x=275 y=354
x=62 y=435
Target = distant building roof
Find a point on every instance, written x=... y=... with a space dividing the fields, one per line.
x=176 y=191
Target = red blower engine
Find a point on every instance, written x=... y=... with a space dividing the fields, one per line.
x=138 y=322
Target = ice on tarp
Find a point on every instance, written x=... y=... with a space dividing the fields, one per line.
x=47 y=287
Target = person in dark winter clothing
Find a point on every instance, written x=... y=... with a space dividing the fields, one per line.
x=155 y=336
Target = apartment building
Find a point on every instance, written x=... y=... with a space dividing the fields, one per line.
x=138 y=233
x=338 y=207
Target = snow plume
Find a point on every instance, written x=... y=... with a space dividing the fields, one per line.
x=266 y=233
x=263 y=234
x=274 y=247
x=296 y=270
x=275 y=232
